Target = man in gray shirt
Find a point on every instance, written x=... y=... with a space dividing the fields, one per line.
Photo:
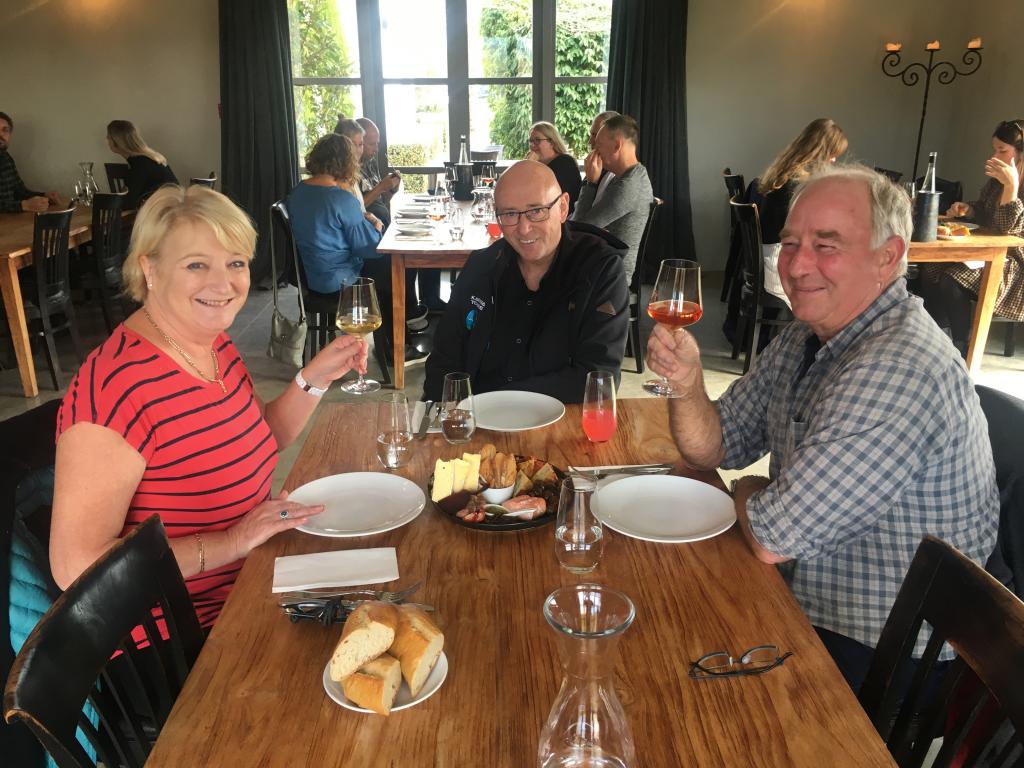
x=626 y=203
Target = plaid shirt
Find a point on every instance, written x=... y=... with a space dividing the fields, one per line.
x=880 y=442
x=12 y=188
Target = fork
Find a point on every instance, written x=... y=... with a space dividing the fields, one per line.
x=640 y=469
x=383 y=595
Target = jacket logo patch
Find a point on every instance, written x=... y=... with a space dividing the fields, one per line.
x=470 y=319
x=477 y=302
x=606 y=308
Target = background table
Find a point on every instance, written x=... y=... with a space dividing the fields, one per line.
x=255 y=696
x=409 y=253
x=16 y=232
x=978 y=246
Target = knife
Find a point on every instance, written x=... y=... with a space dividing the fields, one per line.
x=622 y=469
x=428 y=408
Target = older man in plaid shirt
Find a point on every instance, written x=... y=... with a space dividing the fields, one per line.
x=15 y=197
x=876 y=435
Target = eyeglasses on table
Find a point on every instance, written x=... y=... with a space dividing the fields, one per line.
x=753 y=661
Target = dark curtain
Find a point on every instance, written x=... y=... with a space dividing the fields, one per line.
x=647 y=80
x=258 y=113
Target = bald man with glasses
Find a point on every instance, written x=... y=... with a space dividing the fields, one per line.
x=537 y=309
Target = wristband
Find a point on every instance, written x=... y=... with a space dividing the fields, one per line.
x=305 y=386
x=202 y=553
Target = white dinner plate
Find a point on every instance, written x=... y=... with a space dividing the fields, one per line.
x=515 y=411
x=664 y=508
x=360 y=503
x=413 y=213
x=417 y=416
x=416 y=230
x=403 y=699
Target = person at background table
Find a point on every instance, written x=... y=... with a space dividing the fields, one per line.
x=377 y=191
x=548 y=147
x=626 y=203
x=163 y=417
x=949 y=289
x=606 y=176
x=353 y=131
x=149 y=169
x=537 y=309
x=15 y=197
x=875 y=432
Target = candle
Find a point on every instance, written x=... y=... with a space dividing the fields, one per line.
x=932 y=46
x=894 y=47
x=974 y=43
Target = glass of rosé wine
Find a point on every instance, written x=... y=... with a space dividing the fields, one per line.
x=599 y=406
x=675 y=303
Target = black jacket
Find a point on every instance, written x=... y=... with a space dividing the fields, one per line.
x=581 y=327
x=145 y=177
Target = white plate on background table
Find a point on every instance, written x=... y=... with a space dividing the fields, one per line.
x=415 y=229
x=412 y=213
x=417 y=416
x=360 y=503
x=510 y=410
x=403 y=699
x=664 y=508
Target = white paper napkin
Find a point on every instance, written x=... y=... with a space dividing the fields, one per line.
x=346 y=568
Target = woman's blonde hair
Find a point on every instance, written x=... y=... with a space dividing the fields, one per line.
x=548 y=131
x=125 y=138
x=171 y=205
x=820 y=141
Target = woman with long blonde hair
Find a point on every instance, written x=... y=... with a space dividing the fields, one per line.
x=148 y=168
x=548 y=147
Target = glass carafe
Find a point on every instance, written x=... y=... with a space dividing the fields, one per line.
x=89 y=186
x=482 y=208
x=586 y=726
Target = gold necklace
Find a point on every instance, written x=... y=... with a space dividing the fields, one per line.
x=174 y=345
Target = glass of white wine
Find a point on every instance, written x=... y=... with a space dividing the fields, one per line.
x=359 y=315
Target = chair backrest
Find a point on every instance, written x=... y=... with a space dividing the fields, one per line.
x=893 y=176
x=983 y=622
x=734 y=184
x=748 y=227
x=281 y=221
x=67 y=658
x=50 y=254
x=210 y=181
x=641 y=251
x=117 y=176
x=491 y=154
x=1005 y=416
x=107 y=232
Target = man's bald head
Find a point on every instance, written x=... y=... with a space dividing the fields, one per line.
x=531 y=186
x=527 y=176
x=371 y=137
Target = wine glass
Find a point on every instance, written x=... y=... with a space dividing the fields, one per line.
x=457 y=416
x=599 y=406
x=359 y=315
x=675 y=303
x=436 y=213
x=456 y=224
x=579 y=537
x=394 y=434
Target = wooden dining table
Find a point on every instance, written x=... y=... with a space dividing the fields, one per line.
x=978 y=246
x=408 y=252
x=255 y=696
x=16 y=232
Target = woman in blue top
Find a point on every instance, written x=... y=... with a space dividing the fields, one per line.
x=332 y=232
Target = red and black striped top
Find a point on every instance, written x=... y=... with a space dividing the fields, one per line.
x=210 y=456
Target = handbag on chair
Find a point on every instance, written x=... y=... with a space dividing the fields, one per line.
x=287 y=337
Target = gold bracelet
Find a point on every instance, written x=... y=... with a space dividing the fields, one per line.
x=202 y=553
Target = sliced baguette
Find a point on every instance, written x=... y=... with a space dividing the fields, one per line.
x=369 y=631
x=417 y=646
x=375 y=684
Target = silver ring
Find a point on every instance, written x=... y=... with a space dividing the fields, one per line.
x=284 y=513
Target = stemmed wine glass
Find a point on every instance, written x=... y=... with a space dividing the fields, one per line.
x=675 y=303
x=436 y=213
x=359 y=315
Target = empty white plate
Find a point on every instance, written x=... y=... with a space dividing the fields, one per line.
x=664 y=509
x=515 y=411
x=360 y=503
x=403 y=699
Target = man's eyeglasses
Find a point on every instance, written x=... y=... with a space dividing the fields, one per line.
x=754 y=661
x=511 y=218
x=537 y=140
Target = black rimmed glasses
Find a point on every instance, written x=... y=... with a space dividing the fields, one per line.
x=537 y=139
x=753 y=661
x=541 y=213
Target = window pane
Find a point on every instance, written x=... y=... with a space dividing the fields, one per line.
x=500 y=38
x=500 y=115
x=582 y=29
x=417 y=118
x=317 y=108
x=576 y=106
x=324 y=38
x=413 y=38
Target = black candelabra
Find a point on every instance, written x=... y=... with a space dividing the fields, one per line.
x=945 y=73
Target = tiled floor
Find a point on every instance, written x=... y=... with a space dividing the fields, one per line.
x=251 y=329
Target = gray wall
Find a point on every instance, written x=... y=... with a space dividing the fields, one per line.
x=759 y=70
x=71 y=66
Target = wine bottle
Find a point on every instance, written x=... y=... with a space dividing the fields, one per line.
x=463 y=152
x=928 y=185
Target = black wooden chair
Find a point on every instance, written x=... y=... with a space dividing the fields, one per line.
x=49 y=294
x=321 y=308
x=66 y=661
x=754 y=299
x=107 y=251
x=117 y=176
x=735 y=188
x=1009 y=334
x=634 y=340
x=208 y=181
x=984 y=623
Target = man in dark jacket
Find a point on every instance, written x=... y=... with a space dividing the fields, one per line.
x=537 y=309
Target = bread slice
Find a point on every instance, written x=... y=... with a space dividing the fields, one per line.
x=369 y=631
x=418 y=643
x=375 y=684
